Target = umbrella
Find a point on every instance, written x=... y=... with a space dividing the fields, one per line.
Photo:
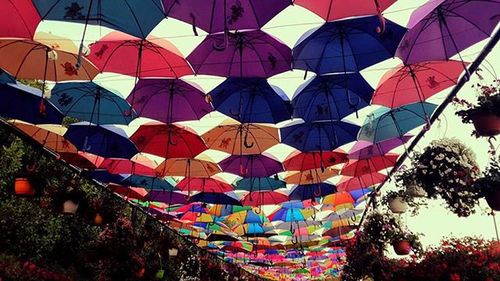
x=313 y=160
x=168 y=197
x=310 y=176
x=106 y=141
x=354 y=183
x=82 y=160
x=225 y=210
x=129 y=192
x=319 y=136
x=22 y=102
x=204 y=185
x=223 y=15
x=137 y=165
x=90 y=102
x=347 y=46
x=437 y=29
x=104 y=176
x=215 y=198
x=168 y=141
x=331 y=97
x=168 y=100
x=50 y=136
x=416 y=82
x=365 y=149
x=358 y=167
x=256 y=165
x=251 y=53
x=197 y=217
x=149 y=183
x=242 y=139
x=388 y=124
x=259 y=184
x=338 y=198
x=249 y=229
x=134 y=17
x=287 y=215
x=310 y=191
x=333 y=10
x=187 y=167
x=144 y=58
x=248 y=216
x=250 y=100
x=18 y=19
x=258 y=198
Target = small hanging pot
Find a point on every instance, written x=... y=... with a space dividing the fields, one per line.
x=172 y=252
x=397 y=205
x=402 y=247
x=486 y=124
x=22 y=186
x=98 y=219
x=493 y=199
x=70 y=207
x=416 y=190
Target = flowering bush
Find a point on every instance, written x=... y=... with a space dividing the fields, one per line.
x=379 y=229
x=447 y=169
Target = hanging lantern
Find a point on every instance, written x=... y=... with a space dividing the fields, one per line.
x=98 y=219
x=52 y=55
x=22 y=186
x=70 y=207
x=172 y=252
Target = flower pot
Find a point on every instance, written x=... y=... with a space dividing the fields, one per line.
x=22 y=186
x=415 y=190
x=486 y=124
x=70 y=207
x=172 y=252
x=160 y=274
x=98 y=219
x=402 y=247
x=397 y=205
x=493 y=199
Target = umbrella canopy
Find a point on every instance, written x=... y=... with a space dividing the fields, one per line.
x=310 y=191
x=50 y=136
x=354 y=183
x=149 y=183
x=129 y=192
x=136 y=165
x=113 y=14
x=358 y=167
x=331 y=97
x=310 y=176
x=248 y=216
x=333 y=10
x=250 y=100
x=388 y=124
x=144 y=58
x=106 y=141
x=258 y=198
x=365 y=149
x=187 y=167
x=82 y=160
x=18 y=19
x=355 y=41
x=88 y=101
x=167 y=197
x=338 y=198
x=242 y=139
x=168 y=100
x=437 y=28
x=251 y=53
x=215 y=198
x=416 y=82
x=168 y=141
x=204 y=185
x=259 y=184
x=316 y=136
x=218 y=16
x=256 y=165
x=314 y=160
x=287 y=215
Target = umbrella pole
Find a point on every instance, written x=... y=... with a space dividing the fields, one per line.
x=80 y=50
x=495 y=224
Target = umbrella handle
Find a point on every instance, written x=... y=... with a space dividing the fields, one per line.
x=198 y=215
x=353 y=218
x=318 y=193
x=86 y=146
x=225 y=43
x=380 y=29
x=170 y=141
x=193 y=23
x=234 y=113
x=247 y=145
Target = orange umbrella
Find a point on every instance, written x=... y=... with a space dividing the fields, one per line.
x=338 y=198
x=130 y=192
x=310 y=176
x=242 y=139
x=187 y=167
x=50 y=136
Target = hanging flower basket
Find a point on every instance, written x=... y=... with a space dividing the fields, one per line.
x=397 y=205
x=402 y=247
x=98 y=219
x=486 y=124
x=493 y=199
x=70 y=207
x=22 y=186
x=416 y=191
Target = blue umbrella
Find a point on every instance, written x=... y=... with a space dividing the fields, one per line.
x=137 y=18
x=310 y=191
x=149 y=183
x=105 y=141
x=347 y=45
x=358 y=193
x=250 y=100
x=90 y=102
x=331 y=97
x=215 y=198
x=391 y=123
x=287 y=215
x=6 y=78
x=259 y=184
x=254 y=228
x=319 y=136
x=22 y=102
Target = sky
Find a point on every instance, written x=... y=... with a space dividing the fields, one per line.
x=433 y=222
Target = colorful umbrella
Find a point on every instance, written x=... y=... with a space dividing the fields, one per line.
x=347 y=46
x=333 y=10
x=314 y=160
x=287 y=215
x=204 y=185
x=338 y=198
x=129 y=192
x=358 y=167
x=18 y=19
x=310 y=191
x=215 y=198
x=256 y=165
x=137 y=165
x=82 y=160
x=353 y=183
x=319 y=136
x=50 y=136
x=187 y=167
x=168 y=100
x=168 y=141
x=331 y=97
x=251 y=53
x=310 y=176
x=88 y=101
x=259 y=184
x=149 y=183
x=167 y=197
x=416 y=82
x=250 y=100
x=258 y=198
x=248 y=216
x=242 y=139
x=365 y=149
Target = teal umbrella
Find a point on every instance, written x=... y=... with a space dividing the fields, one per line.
x=259 y=184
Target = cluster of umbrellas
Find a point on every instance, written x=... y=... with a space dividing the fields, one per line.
x=280 y=182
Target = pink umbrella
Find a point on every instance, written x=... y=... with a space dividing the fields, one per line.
x=359 y=167
x=204 y=185
x=366 y=149
x=18 y=19
x=263 y=198
x=354 y=183
x=126 y=166
x=338 y=9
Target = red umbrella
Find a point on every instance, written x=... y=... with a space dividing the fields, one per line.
x=416 y=82
x=168 y=141
x=204 y=185
x=359 y=167
x=338 y=9
x=18 y=19
x=125 y=54
x=82 y=160
x=130 y=192
x=263 y=198
x=314 y=160
x=353 y=183
x=126 y=166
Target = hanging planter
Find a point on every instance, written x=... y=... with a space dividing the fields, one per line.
x=486 y=124
x=70 y=207
x=493 y=199
x=22 y=186
x=160 y=274
x=397 y=204
x=98 y=219
x=489 y=184
x=416 y=191
x=172 y=252
x=402 y=247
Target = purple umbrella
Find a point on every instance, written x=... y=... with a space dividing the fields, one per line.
x=247 y=54
x=366 y=149
x=256 y=165
x=223 y=15
x=168 y=197
x=168 y=100
x=442 y=28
